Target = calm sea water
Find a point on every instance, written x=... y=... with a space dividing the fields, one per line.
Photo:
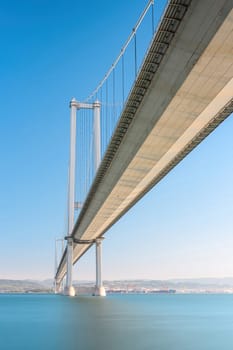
x=126 y=322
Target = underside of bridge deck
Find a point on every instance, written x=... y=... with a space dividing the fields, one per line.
x=183 y=91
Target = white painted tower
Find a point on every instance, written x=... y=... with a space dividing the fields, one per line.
x=99 y=288
x=69 y=289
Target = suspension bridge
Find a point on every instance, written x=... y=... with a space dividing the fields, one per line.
x=159 y=100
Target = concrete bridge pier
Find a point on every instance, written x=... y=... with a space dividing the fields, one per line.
x=69 y=289
x=99 y=288
x=57 y=287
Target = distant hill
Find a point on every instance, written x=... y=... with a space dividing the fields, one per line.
x=24 y=286
x=180 y=285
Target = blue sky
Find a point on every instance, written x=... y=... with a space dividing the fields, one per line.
x=50 y=52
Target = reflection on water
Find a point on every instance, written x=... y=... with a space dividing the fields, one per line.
x=137 y=322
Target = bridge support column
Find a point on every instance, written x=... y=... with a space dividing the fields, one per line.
x=57 y=287
x=99 y=288
x=69 y=289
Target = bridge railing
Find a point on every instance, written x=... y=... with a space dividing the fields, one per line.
x=112 y=93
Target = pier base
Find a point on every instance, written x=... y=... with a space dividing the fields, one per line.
x=69 y=291
x=57 y=288
x=100 y=292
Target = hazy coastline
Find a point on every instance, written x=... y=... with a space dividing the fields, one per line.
x=147 y=286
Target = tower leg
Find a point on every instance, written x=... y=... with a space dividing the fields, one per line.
x=99 y=288
x=69 y=289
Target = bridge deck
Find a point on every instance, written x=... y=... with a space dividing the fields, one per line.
x=183 y=91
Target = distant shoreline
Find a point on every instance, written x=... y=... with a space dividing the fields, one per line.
x=146 y=286
x=117 y=293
